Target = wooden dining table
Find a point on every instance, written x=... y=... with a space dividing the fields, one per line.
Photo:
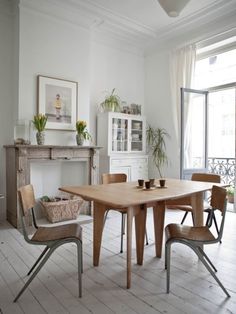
x=128 y=197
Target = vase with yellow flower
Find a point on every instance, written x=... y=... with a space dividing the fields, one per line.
x=82 y=132
x=39 y=123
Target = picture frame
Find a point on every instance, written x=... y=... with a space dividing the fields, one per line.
x=57 y=99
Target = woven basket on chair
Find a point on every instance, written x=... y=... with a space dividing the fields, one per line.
x=62 y=210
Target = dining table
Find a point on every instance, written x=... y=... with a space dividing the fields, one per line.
x=130 y=198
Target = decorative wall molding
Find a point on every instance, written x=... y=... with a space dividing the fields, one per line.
x=110 y=27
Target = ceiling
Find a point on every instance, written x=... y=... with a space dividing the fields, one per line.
x=144 y=22
x=140 y=23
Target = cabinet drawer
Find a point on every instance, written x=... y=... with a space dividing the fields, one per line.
x=120 y=162
x=139 y=162
x=129 y=162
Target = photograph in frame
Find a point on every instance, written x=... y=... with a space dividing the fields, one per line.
x=57 y=99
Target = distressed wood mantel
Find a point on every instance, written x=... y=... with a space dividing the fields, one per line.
x=18 y=158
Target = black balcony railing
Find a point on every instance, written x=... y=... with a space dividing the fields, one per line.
x=225 y=167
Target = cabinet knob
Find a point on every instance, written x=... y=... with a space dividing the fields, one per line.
x=94 y=167
x=20 y=170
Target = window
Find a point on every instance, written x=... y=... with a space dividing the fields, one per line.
x=214 y=70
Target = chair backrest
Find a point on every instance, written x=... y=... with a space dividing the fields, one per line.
x=27 y=203
x=26 y=197
x=206 y=177
x=219 y=202
x=113 y=178
x=218 y=198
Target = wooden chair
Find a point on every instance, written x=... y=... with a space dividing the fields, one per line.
x=108 y=178
x=51 y=237
x=196 y=237
x=185 y=202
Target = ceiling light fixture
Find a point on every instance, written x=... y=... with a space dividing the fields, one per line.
x=173 y=7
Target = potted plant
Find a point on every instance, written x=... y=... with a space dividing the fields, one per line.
x=111 y=102
x=39 y=123
x=156 y=144
x=82 y=132
x=230 y=193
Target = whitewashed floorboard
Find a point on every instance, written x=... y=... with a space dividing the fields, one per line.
x=55 y=289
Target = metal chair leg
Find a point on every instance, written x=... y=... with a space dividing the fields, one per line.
x=80 y=263
x=185 y=215
x=146 y=236
x=167 y=263
x=46 y=257
x=122 y=231
x=207 y=258
x=215 y=222
x=208 y=219
x=216 y=225
x=38 y=260
x=211 y=271
x=165 y=256
x=105 y=218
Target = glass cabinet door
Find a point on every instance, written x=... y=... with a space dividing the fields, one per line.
x=136 y=136
x=119 y=135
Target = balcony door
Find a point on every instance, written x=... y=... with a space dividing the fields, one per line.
x=221 y=134
x=208 y=131
x=194 y=131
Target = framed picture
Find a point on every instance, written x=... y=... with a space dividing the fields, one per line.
x=57 y=99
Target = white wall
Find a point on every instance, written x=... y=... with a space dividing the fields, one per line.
x=7 y=89
x=158 y=109
x=114 y=68
x=55 y=48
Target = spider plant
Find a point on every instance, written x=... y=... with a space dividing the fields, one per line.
x=111 y=102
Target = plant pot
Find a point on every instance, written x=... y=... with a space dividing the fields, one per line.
x=40 y=137
x=79 y=139
x=231 y=199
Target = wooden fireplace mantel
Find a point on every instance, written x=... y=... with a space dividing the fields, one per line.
x=18 y=158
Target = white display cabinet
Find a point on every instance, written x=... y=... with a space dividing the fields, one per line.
x=123 y=141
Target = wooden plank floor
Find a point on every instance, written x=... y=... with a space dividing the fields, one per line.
x=55 y=288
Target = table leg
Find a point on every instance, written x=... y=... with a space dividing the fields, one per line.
x=130 y=215
x=98 y=222
x=197 y=208
x=159 y=219
x=140 y=227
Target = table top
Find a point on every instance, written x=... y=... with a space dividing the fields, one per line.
x=121 y=195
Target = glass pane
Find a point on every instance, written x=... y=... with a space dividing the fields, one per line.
x=216 y=70
x=119 y=135
x=194 y=131
x=136 y=135
x=222 y=123
x=221 y=140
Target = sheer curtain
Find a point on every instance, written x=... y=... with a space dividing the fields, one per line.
x=182 y=65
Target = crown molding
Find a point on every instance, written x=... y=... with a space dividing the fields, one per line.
x=215 y=11
x=106 y=26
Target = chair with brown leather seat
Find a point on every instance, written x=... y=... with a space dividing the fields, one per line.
x=184 y=203
x=51 y=237
x=108 y=178
x=196 y=237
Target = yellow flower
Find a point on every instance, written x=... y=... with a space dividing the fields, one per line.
x=81 y=129
x=40 y=121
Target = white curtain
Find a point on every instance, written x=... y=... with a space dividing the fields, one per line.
x=182 y=65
